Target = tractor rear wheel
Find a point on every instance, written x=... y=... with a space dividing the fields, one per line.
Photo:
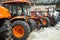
x=53 y=22
x=20 y=30
x=32 y=23
x=7 y=30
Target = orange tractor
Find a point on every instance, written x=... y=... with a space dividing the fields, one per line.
x=42 y=20
x=22 y=24
x=47 y=19
x=50 y=16
x=22 y=20
x=4 y=23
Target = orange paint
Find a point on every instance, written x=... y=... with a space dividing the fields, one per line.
x=4 y=13
x=16 y=1
x=18 y=31
x=18 y=17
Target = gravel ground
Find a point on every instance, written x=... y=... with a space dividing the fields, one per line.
x=50 y=33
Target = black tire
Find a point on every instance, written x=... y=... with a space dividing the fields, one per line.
x=53 y=22
x=48 y=21
x=32 y=23
x=7 y=32
x=26 y=29
x=41 y=24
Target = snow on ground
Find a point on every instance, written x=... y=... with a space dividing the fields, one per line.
x=50 y=33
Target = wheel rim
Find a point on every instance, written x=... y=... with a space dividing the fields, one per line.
x=18 y=31
x=44 y=22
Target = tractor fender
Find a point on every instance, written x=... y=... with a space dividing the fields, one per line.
x=18 y=18
x=4 y=13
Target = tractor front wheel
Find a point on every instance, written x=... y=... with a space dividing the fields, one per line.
x=20 y=30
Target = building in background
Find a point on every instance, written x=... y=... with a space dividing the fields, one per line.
x=46 y=3
x=1 y=1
